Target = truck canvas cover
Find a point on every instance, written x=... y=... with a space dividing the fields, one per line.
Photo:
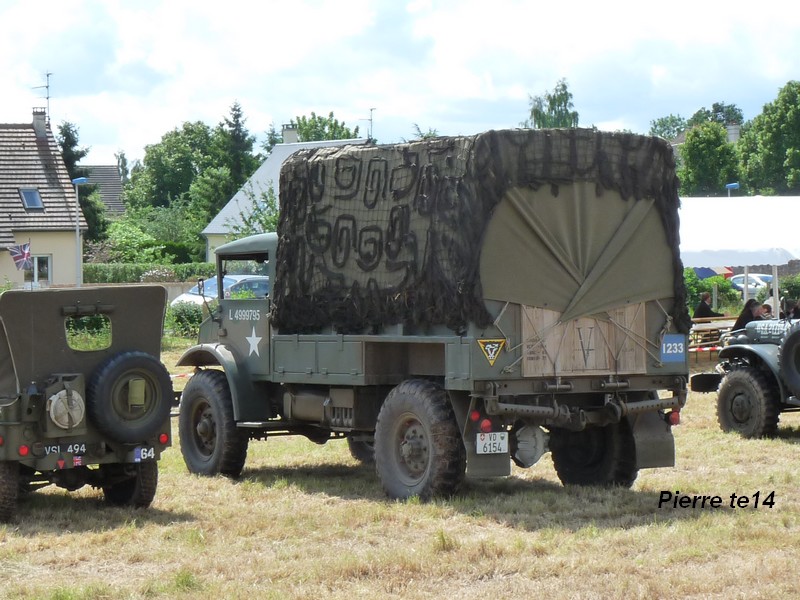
x=572 y=221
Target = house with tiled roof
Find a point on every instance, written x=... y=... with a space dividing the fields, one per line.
x=266 y=177
x=108 y=182
x=37 y=207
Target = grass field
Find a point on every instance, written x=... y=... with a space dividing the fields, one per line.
x=307 y=521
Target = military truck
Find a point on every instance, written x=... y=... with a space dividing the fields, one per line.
x=757 y=377
x=84 y=398
x=452 y=305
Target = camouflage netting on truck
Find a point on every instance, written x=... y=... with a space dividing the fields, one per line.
x=378 y=235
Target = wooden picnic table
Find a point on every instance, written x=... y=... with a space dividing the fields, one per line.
x=706 y=333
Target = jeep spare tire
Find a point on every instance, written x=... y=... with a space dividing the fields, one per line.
x=129 y=397
x=790 y=359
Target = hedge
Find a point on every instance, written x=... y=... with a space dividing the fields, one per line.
x=145 y=272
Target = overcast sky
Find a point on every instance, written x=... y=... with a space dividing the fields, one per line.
x=127 y=72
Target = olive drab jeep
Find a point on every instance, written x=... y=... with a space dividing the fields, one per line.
x=757 y=377
x=84 y=398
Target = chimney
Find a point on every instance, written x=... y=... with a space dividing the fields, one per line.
x=40 y=122
x=289 y=133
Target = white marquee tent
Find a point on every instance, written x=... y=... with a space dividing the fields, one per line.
x=739 y=231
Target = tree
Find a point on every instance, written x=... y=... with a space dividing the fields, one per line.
x=91 y=205
x=170 y=166
x=552 y=109
x=424 y=135
x=708 y=161
x=724 y=114
x=273 y=138
x=234 y=146
x=94 y=211
x=315 y=128
x=769 y=149
x=261 y=217
x=311 y=129
x=122 y=167
x=668 y=127
x=71 y=152
x=211 y=190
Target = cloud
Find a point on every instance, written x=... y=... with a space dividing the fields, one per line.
x=126 y=73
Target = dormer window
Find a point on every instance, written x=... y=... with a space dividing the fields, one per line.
x=31 y=198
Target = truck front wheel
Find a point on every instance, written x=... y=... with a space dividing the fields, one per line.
x=604 y=456
x=746 y=404
x=418 y=447
x=210 y=441
x=9 y=486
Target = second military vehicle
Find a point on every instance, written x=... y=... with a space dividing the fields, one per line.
x=84 y=398
x=757 y=377
x=454 y=304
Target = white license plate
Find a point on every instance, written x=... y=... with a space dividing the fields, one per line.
x=492 y=443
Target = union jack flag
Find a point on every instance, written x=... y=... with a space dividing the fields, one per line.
x=22 y=256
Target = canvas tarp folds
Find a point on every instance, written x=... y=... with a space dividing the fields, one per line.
x=590 y=255
x=370 y=236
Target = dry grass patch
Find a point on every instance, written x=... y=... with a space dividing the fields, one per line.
x=308 y=521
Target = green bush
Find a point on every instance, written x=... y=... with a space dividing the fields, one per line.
x=138 y=272
x=184 y=319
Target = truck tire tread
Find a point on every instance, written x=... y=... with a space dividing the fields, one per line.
x=427 y=403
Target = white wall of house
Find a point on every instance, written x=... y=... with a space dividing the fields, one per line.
x=54 y=253
x=214 y=241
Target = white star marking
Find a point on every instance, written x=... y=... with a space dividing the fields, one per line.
x=253 y=340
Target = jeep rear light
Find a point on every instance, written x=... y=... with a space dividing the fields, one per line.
x=475 y=415
x=486 y=426
x=163 y=438
x=24 y=450
x=674 y=417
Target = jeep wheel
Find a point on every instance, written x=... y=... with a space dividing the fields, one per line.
x=363 y=452
x=746 y=404
x=129 y=397
x=9 y=486
x=603 y=456
x=210 y=441
x=418 y=447
x=790 y=359
x=130 y=484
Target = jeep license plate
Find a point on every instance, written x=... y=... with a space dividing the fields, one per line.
x=495 y=442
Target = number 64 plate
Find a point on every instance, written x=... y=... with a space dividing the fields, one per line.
x=495 y=442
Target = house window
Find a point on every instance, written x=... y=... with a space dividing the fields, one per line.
x=31 y=198
x=39 y=275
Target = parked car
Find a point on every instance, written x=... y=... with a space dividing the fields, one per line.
x=755 y=281
x=232 y=285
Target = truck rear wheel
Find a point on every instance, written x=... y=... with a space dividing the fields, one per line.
x=604 y=456
x=114 y=407
x=9 y=486
x=746 y=404
x=130 y=485
x=210 y=441
x=363 y=452
x=418 y=447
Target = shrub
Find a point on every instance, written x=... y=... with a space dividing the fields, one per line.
x=135 y=272
x=184 y=319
